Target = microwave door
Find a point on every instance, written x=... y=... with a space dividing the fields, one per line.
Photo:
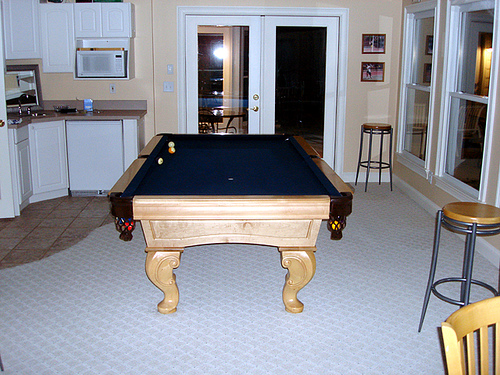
x=105 y=64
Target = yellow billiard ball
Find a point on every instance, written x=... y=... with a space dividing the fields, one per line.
x=160 y=161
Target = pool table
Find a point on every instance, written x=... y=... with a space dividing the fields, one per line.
x=189 y=190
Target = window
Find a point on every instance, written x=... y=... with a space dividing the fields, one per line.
x=471 y=32
x=416 y=85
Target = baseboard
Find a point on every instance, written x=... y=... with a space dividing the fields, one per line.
x=483 y=247
x=373 y=177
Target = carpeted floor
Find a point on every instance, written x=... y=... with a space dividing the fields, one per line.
x=91 y=309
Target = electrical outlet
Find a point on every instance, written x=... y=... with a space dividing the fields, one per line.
x=112 y=88
x=168 y=86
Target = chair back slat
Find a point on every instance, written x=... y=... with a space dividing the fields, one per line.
x=496 y=335
x=484 y=350
x=471 y=353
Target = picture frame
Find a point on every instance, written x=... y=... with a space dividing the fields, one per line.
x=373 y=43
x=429 y=44
x=372 y=71
x=427 y=73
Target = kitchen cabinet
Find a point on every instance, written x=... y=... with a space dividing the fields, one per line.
x=20 y=167
x=58 y=37
x=103 y=20
x=20 y=21
x=48 y=160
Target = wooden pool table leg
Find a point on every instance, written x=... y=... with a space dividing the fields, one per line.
x=301 y=265
x=160 y=265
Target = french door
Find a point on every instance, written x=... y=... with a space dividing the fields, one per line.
x=262 y=74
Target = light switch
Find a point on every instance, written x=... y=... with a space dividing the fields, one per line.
x=170 y=69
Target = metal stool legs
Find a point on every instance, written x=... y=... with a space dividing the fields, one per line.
x=371 y=130
x=471 y=230
x=432 y=273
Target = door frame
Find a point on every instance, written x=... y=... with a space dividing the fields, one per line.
x=336 y=160
x=6 y=188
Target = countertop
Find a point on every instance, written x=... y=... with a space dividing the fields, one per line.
x=107 y=114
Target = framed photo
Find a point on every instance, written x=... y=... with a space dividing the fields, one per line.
x=373 y=43
x=429 y=43
x=372 y=71
x=427 y=73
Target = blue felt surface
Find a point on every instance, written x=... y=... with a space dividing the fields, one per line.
x=230 y=165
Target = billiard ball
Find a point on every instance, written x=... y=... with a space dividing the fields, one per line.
x=160 y=161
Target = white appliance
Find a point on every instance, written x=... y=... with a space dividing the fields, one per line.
x=101 y=63
x=95 y=155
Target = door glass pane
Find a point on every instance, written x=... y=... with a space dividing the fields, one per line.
x=223 y=79
x=300 y=82
x=417 y=113
x=466 y=141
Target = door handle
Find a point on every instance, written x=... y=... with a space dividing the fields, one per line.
x=254 y=108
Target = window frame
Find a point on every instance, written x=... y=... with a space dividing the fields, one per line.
x=454 y=29
x=412 y=13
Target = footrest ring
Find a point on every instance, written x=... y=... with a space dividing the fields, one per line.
x=459 y=280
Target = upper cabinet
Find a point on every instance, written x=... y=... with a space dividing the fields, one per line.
x=103 y=20
x=58 y=37
x=20 y=19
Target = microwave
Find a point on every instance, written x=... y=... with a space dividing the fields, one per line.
x=101 y=63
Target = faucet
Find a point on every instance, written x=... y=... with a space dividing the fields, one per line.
x=19 y=100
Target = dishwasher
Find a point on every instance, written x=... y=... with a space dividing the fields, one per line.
x=95 y=156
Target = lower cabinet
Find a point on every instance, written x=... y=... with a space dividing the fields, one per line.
x=48 y=160
x=24 y=164
x=21 y=167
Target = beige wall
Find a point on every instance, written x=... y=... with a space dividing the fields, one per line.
x=156 y=46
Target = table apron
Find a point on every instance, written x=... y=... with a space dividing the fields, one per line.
x=230 y=207
x=182 y=233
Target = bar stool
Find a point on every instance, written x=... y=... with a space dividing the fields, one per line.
x=375 y=129
x=471 y=219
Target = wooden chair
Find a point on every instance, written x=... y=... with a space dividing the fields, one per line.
x=471 y=338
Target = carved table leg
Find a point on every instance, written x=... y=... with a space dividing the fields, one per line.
x=160 y=267
x=301 y=265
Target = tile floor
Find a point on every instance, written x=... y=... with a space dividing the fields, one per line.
x=47 y=227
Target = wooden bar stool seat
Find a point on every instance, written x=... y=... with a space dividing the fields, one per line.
x=375 y=129
x=471 y=219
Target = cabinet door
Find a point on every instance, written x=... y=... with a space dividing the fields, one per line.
x=48 y=157
x=88 y=20
x=22 y=39
x=117 y=20
x=24 y=165
x=58 y=37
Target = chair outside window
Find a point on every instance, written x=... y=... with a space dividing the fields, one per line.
x=208 y=122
